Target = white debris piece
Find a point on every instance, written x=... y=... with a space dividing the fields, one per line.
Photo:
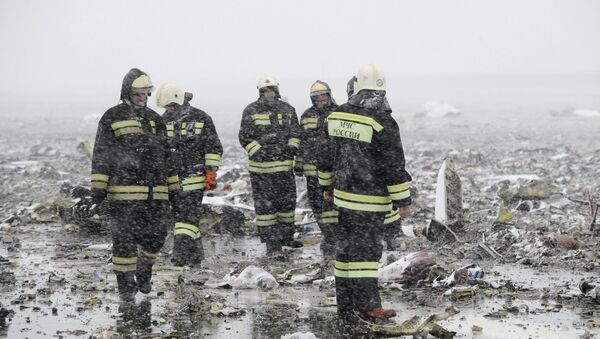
x=300 y=335
x=436 y=109
x=252 y=277
x=586 y=113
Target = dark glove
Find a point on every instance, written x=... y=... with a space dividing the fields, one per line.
x=267 y=139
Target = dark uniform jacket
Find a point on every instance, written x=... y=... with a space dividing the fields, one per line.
x=131 y=155
x=313 y=135
x=270 y=134
x=364 y=161
x=195 y=143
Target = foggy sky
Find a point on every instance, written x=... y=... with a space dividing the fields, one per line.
x=220 y=48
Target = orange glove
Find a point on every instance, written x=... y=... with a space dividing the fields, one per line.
x=210 y=182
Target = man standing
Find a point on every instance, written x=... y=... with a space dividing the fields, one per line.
x=129 y=170
x=313 y=134
x=270 y=134
x=362 y=171
x=194 y=141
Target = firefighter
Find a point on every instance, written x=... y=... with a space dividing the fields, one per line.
x=362 y=170
x=129 y=171
x=313 y=134
x=194 y=140
x=270 y=134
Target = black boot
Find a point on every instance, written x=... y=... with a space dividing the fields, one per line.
x=126 y=285
x=273 y=247
x=143 y=273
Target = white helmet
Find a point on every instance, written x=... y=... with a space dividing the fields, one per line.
x=169 y=94
x=267 y=81
x=369 y=77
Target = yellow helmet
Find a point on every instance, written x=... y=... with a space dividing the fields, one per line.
x=267 y=81
x=318 y=88
x=370 y=77
x=169 y=94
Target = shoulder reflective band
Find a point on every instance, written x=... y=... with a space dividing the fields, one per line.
x=153 y=126
x=128 y=192
x=170 y=128
x=198 y=126
x=160 y=193
x=349 y=129
x=99 y=180
x=286 y=217
x=356 y=118
x=400 y=191
x=270 y=166
x=184 y=128
x=266 y=219
x=252 y=147
x=212 y=159
x=391 y=217
x=173 y=182
x=186 y=229
x=309 y=123
x=351 y=270
x=126 y=127
x=124 y=264
x=310 y=170
x=261 y=119
x=325 y=178
x=330 y=217
x=193 y=183
x=360 y=202
x=295 y=142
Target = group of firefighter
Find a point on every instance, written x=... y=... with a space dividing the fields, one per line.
x=151 y=172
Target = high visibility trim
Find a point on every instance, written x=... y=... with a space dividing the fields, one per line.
x=400 y=191
x=391 y=217
x=125 y=123
x=193 y=183
x=357 y=118
x=252 y=147
x=128 y=192
x=325 y=178
x=147 y=254
x=183 y=128
x=365 y=269
x=294 y=142
x=286 y=217
x=153 y=126
x=330 y=217
x=356 y=274
x=173 y=179
x=160 y=189
x=160 y=196
x=189 y=233
x=261 y=119
x=124 y=268
x=198 y=126
x=186 y=229
x=310 y=173
x=212 y=159
x=309 y=123
x=124 y=264
x=360 y=202
x=174 y=187
x=401 y=195
x=270 y=166
x=280 y=118
x=97 y=184
x=99 y=177
x=372 y=199
x=170 y=129
x=128 y=130
x=309 y=167
x=266 y=219
x=128 y=189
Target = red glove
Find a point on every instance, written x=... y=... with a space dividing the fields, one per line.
x=210 y=182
